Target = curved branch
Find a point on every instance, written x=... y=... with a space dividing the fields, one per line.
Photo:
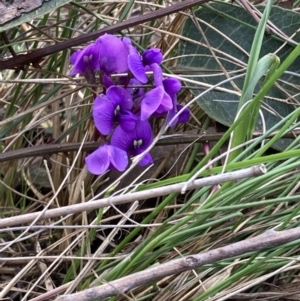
x=131 y=197
x=266 y=240
x=53 y=148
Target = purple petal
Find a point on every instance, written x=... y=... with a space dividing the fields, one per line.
x=98 y=162
x=185 y=115
x=122 y=139
x=107 y=81
x=151 y=56
x=166 y=104
x=120 y=96
x=170 y=116
x=143 y=130
x=127 y=120
x=151 y=101
x=128 y=44
x=126 y=140
x=118 y=158
x=87 y=58
x=74 y=56
x=77 y=60
x=157 y=74
x=103 y=114
x=137 y=68
x=113 y=54
x=172 y=85
x=147 y=159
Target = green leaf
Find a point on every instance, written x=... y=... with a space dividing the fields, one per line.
x=231 y=21
x=30 y=10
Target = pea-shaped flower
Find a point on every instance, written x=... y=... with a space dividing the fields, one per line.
x=134 y=142
x=112 y=109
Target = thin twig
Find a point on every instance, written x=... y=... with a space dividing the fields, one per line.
x=269 y=239
x=131 y=197
x=48 y=149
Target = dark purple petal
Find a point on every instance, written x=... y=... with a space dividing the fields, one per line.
x=151 y=56
x=143 y=130
x=98 y=162
x=137 y=68
x=127 y=120
x=120 y=96
x=151 y=101
x=87 y=58
x=113 y=54
x=118 y=158
x=122 y=139
x=103 y=114
x=107 y=81
x=172 y=85
x=170 y=116
x=147 y=159
x=185 y=115
x=135 y=141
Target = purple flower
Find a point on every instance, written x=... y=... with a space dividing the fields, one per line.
x=172 y=87
x=112 y=108
x=106 y=157
x=113 y=54
x=85 y=60
x=134 y=142
x=138 y=64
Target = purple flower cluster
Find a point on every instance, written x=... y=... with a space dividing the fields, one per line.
x=122 y=112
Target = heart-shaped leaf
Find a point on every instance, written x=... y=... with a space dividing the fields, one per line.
x=230 y=30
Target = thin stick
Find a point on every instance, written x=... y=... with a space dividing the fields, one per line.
x=47 y=149
x=24 y=59
x=131 y=197
x=269 y=239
